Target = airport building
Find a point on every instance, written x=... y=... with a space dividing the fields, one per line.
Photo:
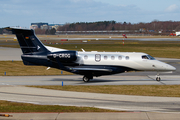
x=177 y=33
x=55 y=25
x=44 y=25
x=38 y=25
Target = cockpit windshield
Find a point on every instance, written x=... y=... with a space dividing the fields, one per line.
x=148 y=57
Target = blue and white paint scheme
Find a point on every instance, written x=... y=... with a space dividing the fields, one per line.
x=89 y=64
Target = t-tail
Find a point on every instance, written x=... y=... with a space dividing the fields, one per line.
x=34 y=51
x=28 y=41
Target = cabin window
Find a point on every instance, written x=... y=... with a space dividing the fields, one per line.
x=127 y=57
x=120 y=57
x=97 y=57
x=105 y=57
x=112 y=57
x=85 y=57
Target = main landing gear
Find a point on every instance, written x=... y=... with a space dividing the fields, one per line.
x=158 y=77
x=87 y=78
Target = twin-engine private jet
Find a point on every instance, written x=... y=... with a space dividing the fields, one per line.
x=89 y=64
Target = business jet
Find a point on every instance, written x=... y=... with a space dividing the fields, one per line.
x=89 y=64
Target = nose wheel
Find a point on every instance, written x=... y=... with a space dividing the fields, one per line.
x=158 y=77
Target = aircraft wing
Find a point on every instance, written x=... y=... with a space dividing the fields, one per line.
x=92 y=69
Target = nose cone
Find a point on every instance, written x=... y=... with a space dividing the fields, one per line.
x=170 y=68
x=161 y=66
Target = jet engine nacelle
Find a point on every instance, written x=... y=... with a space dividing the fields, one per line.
x=63 y=56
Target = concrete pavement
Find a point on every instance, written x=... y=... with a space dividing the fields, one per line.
x=97 y=100
x=94 y=116
x=9 y=54
x=120 y=79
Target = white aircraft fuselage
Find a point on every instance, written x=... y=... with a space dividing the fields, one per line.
x=126 y=59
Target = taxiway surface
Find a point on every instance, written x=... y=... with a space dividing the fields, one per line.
x=77 y=80
x=9 y=54
x=120 y=38
x=97 y=100
x=94 y=116
x=11 y=91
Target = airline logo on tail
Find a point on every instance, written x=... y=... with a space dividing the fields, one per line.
x=38 y=47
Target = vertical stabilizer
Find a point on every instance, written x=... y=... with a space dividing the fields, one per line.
x=28 y=41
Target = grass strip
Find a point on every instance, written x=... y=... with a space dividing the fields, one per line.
x=142 y=90
x=166 y=49
x=6 y=106
x=17 y=68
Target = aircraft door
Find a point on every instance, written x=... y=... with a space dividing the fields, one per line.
x=97 y=57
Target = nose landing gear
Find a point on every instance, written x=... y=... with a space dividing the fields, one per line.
x=158 y=77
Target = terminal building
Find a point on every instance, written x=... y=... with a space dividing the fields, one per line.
x=55 y=25
x=39 y=25
x=44 y=26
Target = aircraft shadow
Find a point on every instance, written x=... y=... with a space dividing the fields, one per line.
x=98 y=80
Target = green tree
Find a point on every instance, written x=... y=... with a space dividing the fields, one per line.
x=1 y=31
x=52 y=31
x=113 y=28
x=178 y=28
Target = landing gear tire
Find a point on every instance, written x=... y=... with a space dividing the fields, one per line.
x=158 y=79
x=86 y=79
